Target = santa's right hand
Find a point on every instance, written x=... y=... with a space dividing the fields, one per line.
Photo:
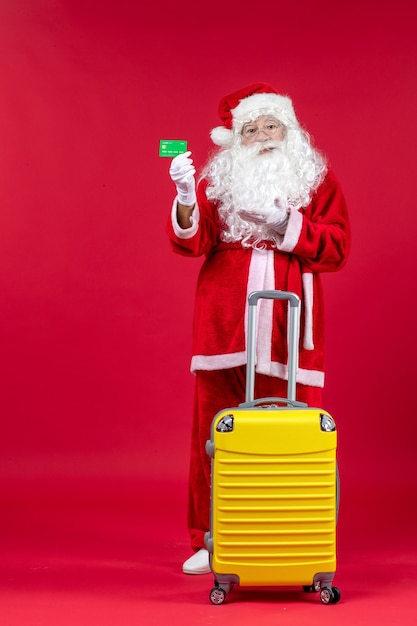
x=182 y=172
x=250 y=216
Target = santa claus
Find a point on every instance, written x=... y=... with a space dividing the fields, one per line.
x=267 y=213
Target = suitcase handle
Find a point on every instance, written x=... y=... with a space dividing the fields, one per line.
x=294 y=326
x=253 y=403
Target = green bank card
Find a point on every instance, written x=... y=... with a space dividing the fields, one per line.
x=171 y=147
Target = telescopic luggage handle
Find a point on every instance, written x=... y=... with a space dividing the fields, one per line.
x=294 y=331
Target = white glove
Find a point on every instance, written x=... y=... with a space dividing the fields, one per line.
x=182 y=173
x=275 y=217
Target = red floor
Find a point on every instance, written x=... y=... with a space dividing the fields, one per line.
x=91 y=553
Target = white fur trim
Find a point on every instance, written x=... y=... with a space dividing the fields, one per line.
x=185 y=233
x=222 y=136
x=293 y=232
x=262 y=278
x=217 y=361
x=281 y=106
x=313 y=378
x=308 y=342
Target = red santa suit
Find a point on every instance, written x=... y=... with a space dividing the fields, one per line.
x=316 y=240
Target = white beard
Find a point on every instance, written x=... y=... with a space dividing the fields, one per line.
x=250 y=178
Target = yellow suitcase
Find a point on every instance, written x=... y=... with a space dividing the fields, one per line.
x=274 y=485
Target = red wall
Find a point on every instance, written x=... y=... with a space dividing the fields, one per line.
x=96 y=312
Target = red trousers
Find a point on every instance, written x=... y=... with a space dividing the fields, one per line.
x=215 y=391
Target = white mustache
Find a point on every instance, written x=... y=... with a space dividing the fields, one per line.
x=267 y=145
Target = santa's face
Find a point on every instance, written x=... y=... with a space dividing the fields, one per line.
x=267 y=165
x=264 y=128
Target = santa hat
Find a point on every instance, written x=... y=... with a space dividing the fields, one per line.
x=247 y=104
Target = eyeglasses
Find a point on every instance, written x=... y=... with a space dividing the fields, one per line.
x=251 y=131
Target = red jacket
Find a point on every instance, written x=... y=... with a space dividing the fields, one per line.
x=317 y=240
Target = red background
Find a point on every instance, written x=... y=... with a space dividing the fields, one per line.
x=96 y=311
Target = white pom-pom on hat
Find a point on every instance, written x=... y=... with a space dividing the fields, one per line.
x=222 y=136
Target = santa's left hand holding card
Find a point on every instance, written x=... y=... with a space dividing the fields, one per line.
x=182 y=172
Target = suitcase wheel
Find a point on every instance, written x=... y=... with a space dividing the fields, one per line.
x=217 y=595
x=311 y=588
x=330 y=596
